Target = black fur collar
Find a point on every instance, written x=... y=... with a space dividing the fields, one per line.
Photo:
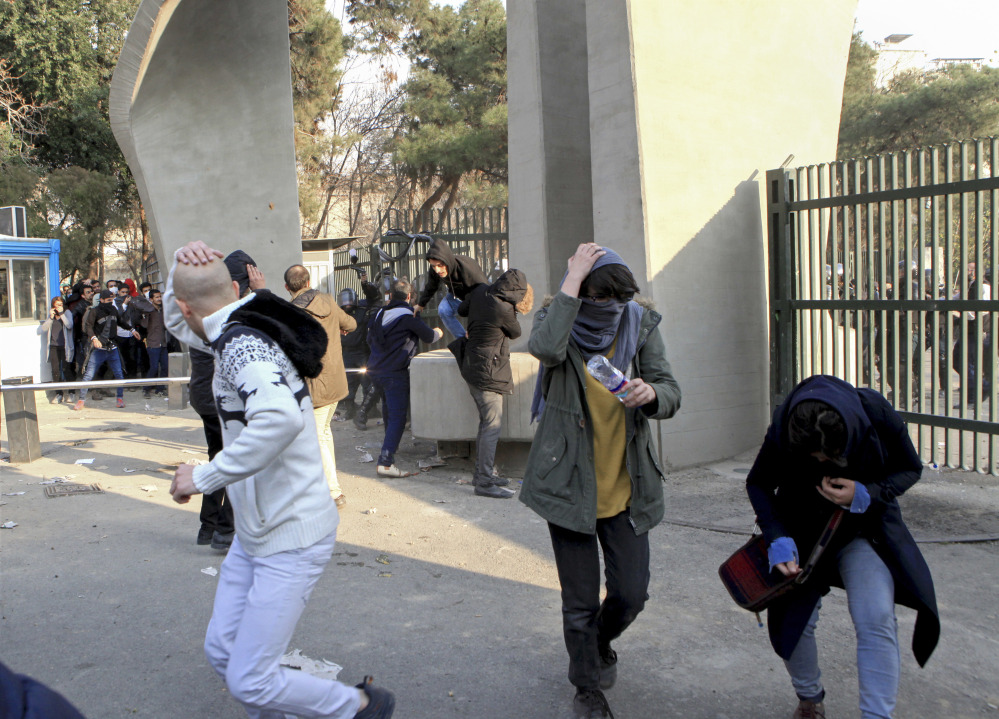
x=294 y=330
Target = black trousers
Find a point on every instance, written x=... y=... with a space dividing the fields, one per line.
x=216 y=512
x=587 y=623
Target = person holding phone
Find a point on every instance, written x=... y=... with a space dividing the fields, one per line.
x=834 y=445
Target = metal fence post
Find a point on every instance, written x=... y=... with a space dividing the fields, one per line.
x=22 y=422
x=177 y=392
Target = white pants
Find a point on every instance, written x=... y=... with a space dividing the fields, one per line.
x=257 y=605
x=324 y=415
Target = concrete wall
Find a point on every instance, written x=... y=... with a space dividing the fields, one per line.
x=688 y=104
x=201 y=106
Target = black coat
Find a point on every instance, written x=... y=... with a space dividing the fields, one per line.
x=484 y=356
x=782 y=489
x=463 y=273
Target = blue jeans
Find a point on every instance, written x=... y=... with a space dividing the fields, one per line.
x=447 y=310
x=395 y=407
x=159 y=365
x=870 y=594
x=97 y=359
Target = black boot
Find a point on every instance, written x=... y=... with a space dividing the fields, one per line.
x=371 y=396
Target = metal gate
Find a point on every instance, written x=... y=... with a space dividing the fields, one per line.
x=881 y=273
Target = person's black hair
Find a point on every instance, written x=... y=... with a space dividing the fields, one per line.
x=610 y=281
x=401 y=290
x=145 y=284
x=814 y=426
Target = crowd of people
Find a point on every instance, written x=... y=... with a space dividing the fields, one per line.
x=269 y=375
x=116 y=329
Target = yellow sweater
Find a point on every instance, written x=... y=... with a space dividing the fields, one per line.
x=609 y=448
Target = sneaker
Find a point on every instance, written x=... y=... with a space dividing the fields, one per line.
x=205 y=535
x=78 y=406
x=499 y=481
x=809 y=710
x=608 y=667
x=341 y=502
x=120 y=404
x=590 y=704
x=222 y=541
x=491 y=490
x=381 y=702
x=389 y=471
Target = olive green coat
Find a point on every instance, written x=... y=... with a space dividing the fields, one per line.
x=560 y=482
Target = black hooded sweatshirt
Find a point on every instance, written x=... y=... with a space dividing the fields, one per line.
x=463 y=273
x=484 y=356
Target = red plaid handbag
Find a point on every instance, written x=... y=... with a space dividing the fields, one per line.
x=747 y=575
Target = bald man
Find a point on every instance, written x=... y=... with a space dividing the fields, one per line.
x=270 y=463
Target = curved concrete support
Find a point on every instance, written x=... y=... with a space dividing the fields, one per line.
x=201 y=106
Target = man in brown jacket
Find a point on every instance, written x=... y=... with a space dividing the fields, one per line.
x=331 y=385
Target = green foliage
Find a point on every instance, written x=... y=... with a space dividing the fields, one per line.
x=454 y=107
x=456 y=95
x=85 y=201
x=317 y=48
x=954 y=104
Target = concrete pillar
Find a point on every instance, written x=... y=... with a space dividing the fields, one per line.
x=687 y=104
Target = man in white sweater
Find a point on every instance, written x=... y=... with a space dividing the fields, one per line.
x=285 y=518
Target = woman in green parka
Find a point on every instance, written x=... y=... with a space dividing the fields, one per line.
x=592 y=472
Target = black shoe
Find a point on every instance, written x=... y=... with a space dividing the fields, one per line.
x=608 y=667
x=381 y=702
x=205 y=535
x=360 y=421
x=146 y=394
x=499 y=481
x=590 y=704
x=222 y=541
x=491 y=490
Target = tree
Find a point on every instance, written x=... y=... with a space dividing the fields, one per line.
x=454 y=107
x=956 y=103
x=317 y=48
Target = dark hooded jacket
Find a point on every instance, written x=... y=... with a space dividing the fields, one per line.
x=879 y=455
x=22 y=697
x=463 y=273
x=394 y=335
x=484 y=355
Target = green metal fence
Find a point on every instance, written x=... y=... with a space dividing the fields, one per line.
x=881 y=273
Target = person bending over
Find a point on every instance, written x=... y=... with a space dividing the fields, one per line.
x=833 y=445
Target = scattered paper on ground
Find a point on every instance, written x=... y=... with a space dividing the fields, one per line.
x=129 y=471
x=55 y=480
x=12 y=494
x=366 y=457
x=430 y=462
x=85 y=461
x=317 y=668
x=196 y=462
x=210 y=571
x=149 y=488
x=8 y=525
x=370 y=511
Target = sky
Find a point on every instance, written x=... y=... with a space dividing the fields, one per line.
x=955 y=28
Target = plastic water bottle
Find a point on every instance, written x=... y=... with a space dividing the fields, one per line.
x=608 y=375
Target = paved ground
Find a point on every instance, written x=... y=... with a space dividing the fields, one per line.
x=449 y=599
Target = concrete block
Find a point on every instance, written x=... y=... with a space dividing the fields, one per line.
x=442 y=408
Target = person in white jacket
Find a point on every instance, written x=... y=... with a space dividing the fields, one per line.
x=270 y=464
